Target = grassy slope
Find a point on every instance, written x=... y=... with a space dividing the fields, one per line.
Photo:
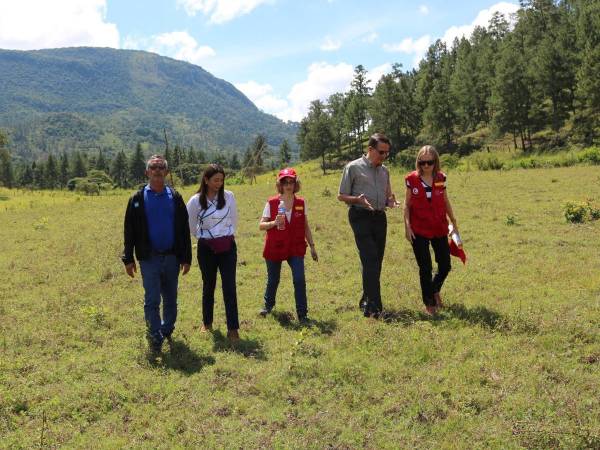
x=512 y=362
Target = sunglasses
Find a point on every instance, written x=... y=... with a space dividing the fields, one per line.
x=426 y=162
x=383 y=153
x=288 y=181
x=157 y=167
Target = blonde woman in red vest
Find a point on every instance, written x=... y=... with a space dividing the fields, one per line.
x=426 y=212
x=287 y=237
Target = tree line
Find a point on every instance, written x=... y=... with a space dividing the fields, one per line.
x=539 y=73
x=90 y=172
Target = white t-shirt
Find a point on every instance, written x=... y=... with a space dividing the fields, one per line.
x=211 y=222
x=288 y=212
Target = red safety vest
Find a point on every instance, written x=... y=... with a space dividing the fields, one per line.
x=282 y=244
x=427 y=218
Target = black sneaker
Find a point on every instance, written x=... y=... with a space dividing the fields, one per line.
x=264 y=312
x=304 y=320
x=362 y=303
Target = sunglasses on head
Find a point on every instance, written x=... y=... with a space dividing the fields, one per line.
x=426 y=162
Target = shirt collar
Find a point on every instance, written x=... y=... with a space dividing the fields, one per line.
x=147 y=188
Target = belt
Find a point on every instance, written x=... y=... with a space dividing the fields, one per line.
x=163 y=253
x=369 y=212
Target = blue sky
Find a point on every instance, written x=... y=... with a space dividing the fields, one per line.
x=281 y=53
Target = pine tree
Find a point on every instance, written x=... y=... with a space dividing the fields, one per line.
x=51 y=174
x=118 y=170
x=79 y=168
x=101 y=163
x=26 y=176
x=137 y=166
x=6 y=171
x=234 y=163
x=64 y=170
x=285 y=154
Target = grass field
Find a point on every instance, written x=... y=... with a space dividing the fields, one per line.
x=512 y=362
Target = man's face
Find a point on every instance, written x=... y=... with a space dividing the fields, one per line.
x=157 y=171
x=379 y=153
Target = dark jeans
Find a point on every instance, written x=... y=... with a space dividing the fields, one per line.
x=370 y=230
x=296 y=263
x=160 y=275
x=441 y=250
x=225 y=263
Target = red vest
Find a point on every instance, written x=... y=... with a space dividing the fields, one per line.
x=282 y=244
x=427 y=218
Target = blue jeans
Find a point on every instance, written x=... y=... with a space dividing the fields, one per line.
x=160 y=275
x=296 y=263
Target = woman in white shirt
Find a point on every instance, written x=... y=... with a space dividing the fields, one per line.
x=213 y=219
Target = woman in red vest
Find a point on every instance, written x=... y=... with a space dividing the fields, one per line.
x=285 y=221
x=426 y=212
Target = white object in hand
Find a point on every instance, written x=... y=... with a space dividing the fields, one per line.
x=455 y=236
x=281 y=214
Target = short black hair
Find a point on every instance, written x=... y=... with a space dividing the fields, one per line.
x=377 y=138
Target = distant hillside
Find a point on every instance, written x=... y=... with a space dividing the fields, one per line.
x=84 y=98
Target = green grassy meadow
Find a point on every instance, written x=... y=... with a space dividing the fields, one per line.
x=512 y=362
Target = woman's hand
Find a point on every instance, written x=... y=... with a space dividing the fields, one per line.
x=313 y=253
x=410 y=236
x=279 y=220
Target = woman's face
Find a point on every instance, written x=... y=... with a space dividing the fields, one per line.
x=288 y=184
x=426 y=163
x=214 y=183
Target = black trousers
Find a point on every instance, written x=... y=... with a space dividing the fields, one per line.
x=441 y=250
x=225 y=263
x=370 y=230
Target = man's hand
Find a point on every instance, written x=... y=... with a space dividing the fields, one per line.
x=184 y=268
x=362 y=200
x=392 y=202
x=313 y=253
x=131 y=269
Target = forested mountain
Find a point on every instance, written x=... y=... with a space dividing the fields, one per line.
x=532 y=80
x=62 y=100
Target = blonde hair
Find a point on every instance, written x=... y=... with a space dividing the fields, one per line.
x=428 y=149
x=279 y=187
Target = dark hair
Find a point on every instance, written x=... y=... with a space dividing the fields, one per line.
x=377 y=138
x=208 y=173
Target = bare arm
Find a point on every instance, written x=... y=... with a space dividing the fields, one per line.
x=407 y=229
x=266 y=223
x=449 y=211
x=309 y=239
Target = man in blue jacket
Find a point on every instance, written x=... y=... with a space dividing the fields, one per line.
x=156 y=227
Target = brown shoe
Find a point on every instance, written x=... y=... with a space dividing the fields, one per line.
x=233 y=336
x=206 y=329
x=430 y=310
x=438 y=300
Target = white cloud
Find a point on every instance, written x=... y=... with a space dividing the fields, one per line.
x=322 y=80
x=482 y=20
x=376 y=73
x=423 y=9
x=176 y=44
x=34 y=24
x=220 y=11
x=262 y=96
x=370 y=37
x=417 y=47
x=329 y=44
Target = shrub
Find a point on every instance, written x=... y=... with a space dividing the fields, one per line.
x=590 y=155
x=488 y=162
x=406 y=158
x=448 y=161
x=577 y=212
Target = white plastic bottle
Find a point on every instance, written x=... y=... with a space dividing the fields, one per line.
x=281 y=213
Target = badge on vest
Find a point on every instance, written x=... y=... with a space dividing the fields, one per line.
x=299 y=208
x=439 y=184
x=415 y=191
x=136 y=205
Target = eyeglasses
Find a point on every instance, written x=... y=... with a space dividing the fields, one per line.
x=288 y=181
x=383 y=153
x=426 y=162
